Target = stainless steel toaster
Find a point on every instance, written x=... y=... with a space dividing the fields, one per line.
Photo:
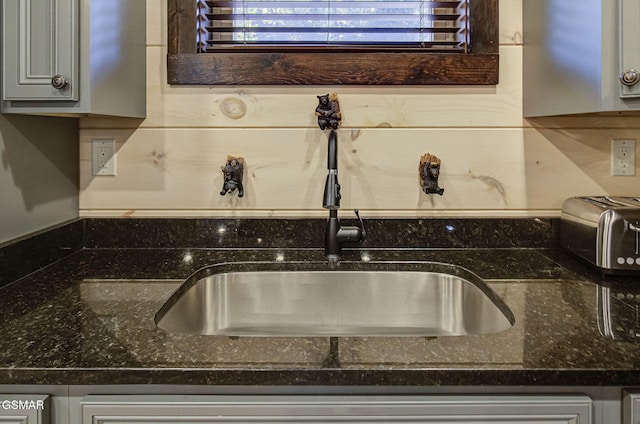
x=604 y=231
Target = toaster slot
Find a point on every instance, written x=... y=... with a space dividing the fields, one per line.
x=608 y=202
x=604 y=202
x=632 y=202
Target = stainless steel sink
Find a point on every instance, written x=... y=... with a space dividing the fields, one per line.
x=308 y=299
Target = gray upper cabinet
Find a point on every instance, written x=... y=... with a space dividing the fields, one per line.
x=582 y=59
x=31 y=66
x=74 y=57
x=630 y=48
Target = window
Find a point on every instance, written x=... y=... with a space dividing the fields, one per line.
x=374 y=24
x=333 y=42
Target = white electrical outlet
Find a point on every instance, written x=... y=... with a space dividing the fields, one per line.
x=623 y=157
x=104 y=157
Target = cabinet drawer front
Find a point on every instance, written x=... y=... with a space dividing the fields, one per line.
x=481 y=409
x=39 y=40
x=24 y=409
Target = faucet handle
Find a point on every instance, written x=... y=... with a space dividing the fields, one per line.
x=363 y=231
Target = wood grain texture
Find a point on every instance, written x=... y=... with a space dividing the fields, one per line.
x=494 y=163
x=337 y=68
x=365 y=106
x=356 y=67
x=484 y=26
x=499 y=169
x=181 y=23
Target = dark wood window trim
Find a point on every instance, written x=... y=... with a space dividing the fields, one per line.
x=336 y=66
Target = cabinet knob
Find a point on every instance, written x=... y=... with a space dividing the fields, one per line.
x=630 y=77
x=59 y=81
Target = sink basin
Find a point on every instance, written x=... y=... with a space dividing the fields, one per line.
x=309 y=299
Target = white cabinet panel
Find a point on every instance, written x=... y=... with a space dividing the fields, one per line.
x=477 y=409
x=24 y=409
x=39 y=42
x=631 y=407
x=629 y=48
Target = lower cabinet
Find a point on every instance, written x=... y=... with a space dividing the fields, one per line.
x=631 y=407
x=24 y=409
x=461 y=409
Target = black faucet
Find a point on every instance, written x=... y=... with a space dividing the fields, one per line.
x=335 y=234
x=329 y=117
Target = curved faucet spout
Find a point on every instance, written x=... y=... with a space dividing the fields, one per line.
x=332 y=151
x=332 y=195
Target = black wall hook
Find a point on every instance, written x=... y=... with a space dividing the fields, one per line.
x=233 y=173
x=429 y=172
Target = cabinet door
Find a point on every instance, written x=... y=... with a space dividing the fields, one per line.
x=24 y=409
x=498 y=409
x=629 y=46
x=39 y=42
x=631 y=407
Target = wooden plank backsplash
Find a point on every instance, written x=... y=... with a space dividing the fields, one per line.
x=494 y=163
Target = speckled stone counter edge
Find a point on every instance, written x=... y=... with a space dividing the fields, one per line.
x=309 y=233
x=32 y=253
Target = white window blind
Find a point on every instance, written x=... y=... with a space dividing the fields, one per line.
x=367 y=24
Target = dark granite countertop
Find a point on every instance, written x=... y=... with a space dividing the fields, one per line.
x=88 y=317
